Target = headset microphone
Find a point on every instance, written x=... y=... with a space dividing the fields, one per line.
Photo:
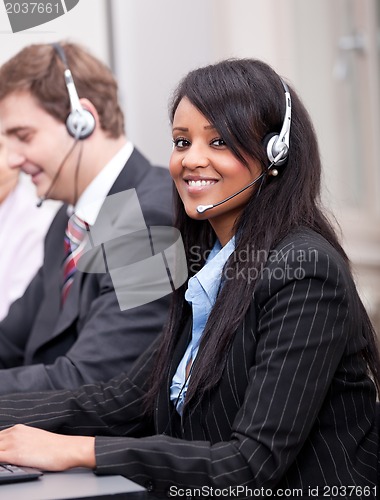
x=40 y=201
x=203 y=208
x=277 y=149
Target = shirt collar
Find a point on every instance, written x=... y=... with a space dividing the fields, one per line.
x=91 y=200
x=210 y=276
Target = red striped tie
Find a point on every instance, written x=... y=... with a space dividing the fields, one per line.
x=74 y=244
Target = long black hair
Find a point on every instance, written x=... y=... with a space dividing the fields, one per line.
x=244 y=100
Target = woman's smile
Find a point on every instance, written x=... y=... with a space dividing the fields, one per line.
x=199 y=185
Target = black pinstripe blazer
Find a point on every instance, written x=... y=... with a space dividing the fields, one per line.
x=295 y=407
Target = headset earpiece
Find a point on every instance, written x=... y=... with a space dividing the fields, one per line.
x=80 y=123
x=269 y=144
x=277 y=144
x=276 y=149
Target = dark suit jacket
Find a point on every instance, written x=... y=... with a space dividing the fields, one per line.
x=295 y=407
x=44 y=346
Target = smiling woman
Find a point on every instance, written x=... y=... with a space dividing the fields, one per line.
x=266 y=373
x=205 y=170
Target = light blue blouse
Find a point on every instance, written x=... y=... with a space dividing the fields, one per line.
x=201 y=295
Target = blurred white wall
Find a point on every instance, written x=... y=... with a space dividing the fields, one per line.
x=86 y=24
x=155 y=44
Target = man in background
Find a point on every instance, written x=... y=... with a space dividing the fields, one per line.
x=22 y=231
x=68 y=328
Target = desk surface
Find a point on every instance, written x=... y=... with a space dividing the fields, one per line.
x=74 y=484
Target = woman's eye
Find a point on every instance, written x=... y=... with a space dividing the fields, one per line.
x=218 y=142
x=180 y=143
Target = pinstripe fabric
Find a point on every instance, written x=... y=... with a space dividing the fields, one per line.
x=294 y=409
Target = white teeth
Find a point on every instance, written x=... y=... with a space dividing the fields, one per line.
x=200 y=183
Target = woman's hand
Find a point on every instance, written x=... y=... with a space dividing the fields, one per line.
x=27 y=446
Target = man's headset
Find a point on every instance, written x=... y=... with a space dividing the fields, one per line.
x=80 y=123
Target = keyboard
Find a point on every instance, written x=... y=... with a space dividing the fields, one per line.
x=13 y=473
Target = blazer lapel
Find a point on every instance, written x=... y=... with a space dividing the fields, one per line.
x=136 y=168
x=45 y=324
